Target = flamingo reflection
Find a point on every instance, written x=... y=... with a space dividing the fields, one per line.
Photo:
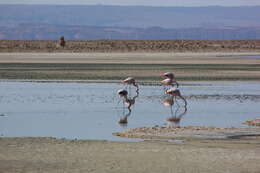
x=176 y=114
x=130 y=101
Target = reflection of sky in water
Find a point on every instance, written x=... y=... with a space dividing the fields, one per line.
x=244 y=56
x=91 y=111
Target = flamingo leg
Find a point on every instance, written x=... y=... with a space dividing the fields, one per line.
x=177 y=84
x=177 y=101
x=164 y=89
x=123 y=108
x=184 y=100
x=118 y=101
x=175 y=98
x=171 y=111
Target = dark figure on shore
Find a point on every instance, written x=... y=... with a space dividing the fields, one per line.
x=62 y=42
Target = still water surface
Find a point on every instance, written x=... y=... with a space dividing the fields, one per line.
x=246 y=56
x=92 y=110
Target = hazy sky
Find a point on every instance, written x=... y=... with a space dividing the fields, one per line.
x=140 y=2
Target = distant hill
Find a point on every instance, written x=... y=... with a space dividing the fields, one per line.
x=130 y=16
x=53 y=32
x=48 y=22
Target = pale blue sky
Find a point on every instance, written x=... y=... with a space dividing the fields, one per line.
x=140 y=2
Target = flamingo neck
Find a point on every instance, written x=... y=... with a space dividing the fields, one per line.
x=135 y=84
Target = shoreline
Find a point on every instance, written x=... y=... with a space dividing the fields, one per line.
x=190 y=133
x=52 y=155
x=142 y=66
x=144 y=83
x=126 y=57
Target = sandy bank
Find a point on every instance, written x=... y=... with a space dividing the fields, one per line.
x=142 y=66
x=132 y=58
x=188 y=132
x=56 y=155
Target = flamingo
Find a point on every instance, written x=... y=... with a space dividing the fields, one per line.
x=131 y=81
x=122 y=93
x=176 y=93
x=130 y=102
x=168 y=75
x=169 y=79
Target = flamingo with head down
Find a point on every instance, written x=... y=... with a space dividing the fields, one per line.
x=130 y=102
x=176 y=93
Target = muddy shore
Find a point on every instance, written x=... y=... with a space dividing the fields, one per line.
x=58 y=155
x=190 y=132
x=208 y=66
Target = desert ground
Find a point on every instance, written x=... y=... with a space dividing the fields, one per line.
x=57 y=155
x=142 y=66
x=228 y=155
x=110 y=46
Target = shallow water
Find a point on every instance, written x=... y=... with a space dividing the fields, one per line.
x=92 y=110
x=246 y=56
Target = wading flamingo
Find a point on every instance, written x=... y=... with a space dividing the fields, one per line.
x=169 y=79
x=122 y=93
x=176 y=93
x=128 y=101
x=131 y=81
x=168 y=75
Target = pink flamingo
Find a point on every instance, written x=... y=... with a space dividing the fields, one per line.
x=131 y=81
x=122 y=93
x=176 y=93
x=130 y=102
x=170 y=79
x=168 y=75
